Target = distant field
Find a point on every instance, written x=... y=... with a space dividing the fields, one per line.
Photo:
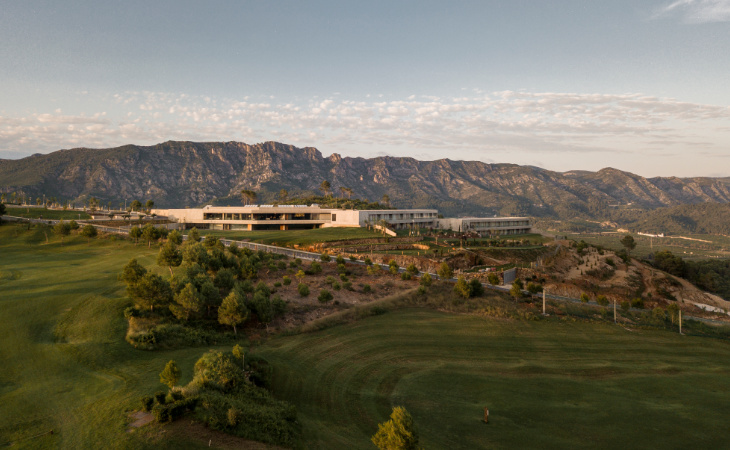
x=51 y=214
x=718 y=247
x=548 y=384
x=295 y=237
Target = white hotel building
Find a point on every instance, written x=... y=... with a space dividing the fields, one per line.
x=300 y=217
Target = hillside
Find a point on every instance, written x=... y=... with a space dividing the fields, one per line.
x=178 y=174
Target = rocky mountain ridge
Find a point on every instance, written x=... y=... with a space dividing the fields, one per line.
x=179 y=174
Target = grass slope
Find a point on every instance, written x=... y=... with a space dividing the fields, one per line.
x=548 y=384
x=296 y=237
x=50 y=214
x=66 y=365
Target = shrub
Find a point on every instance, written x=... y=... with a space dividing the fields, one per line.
x=303 y=289
x=584 y=298
x=353 y=259
x=336 y=286
x=412 y=269
x=476 y=287
x=421 y=290
x=347 y=285
x=286 y=280
x=160 y=397
x=610 y=262
x=493 y=278
x=343 y=277
x=281 y=265
x=341 y=269
x=298 y=261
x=658 y=314
x=405 y=276
x=315 y=267
x=161 y=413
x=147 y=403
x=602 y=300
x=277 y=284
x=638 y=302
x=625 y=306
x=533 y=288
x=366 y=289
x=444 y=271
x=329 y=280
x=462 y=288
x=325 y=257
x=324 y=296
x=426 y=280
x=368 y=262
x=340 y=259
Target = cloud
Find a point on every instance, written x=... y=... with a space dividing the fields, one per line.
x=696 y=11
x=480 y=126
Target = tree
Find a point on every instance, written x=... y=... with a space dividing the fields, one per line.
x=283 y=195
x=210 y=295
x=426 y=279
x=136 y=205
x=462 y=288
x=150 y=291
x=187 y=301
x=444 y=271
x=629 y=243
x=150 y=233
x=175 y=237
x=169 y=256
x=132 y=272
x=193 y=235
x=476 y=287
x=239 y=354
x=62 y=229
x=325 y=187
x=516 y=290
x=386 y=199
x=149 y=205
x=170 y=375
x=398 y=433
x=233 y=311
x=602 y=300
x=393 y=267
x=493 y=278
x=673 y=310
x=135 y=233
x=89 y=231
x=248 y=196
x=324 y=296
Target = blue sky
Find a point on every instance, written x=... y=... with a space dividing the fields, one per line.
x=640 y=86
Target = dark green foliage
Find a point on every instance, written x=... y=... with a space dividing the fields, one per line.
x=169 y=256
x=175 y=237
x=493 y=278
x=638 y=302
x=405 y=276
x=602 y=300
x=476 y=288
x=132 y=272
x=584 y=298
x=286 y=280
x=366 y=289
x=324 y=296
x=160 y=398
x=534 y=288
x=232 y=311
x=315 y=268
x=325 y=257
x=150 y=291
x=89 y=231
x=303 y=289
x=170 y=375
x=62 y=229
x=411 y=269
x=147 y=403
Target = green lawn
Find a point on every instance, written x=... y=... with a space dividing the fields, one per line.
x=548 y=384
x=296 y=237
x=51 y=214
x=66 y=365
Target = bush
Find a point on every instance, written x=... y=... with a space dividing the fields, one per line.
x=602 y=300
x=277 y=284
x=130 y=312
x=341 y=269
x=161 y=398
x=533 y=288
x=303 y=289
x=329 y=280
x=147 y=403
x=462 y=288
x=584 y=298
x=347 y=285
x=444 y=271
x=353 y=259
x=421 y=290
x=405 y=276
x=336 y=286
x=315 y=267
x=366 y=289
x=638 y=302
x=476 y=287
x=411 y=269
x=625 y=306
x=493 y=278
x=343 y=277
x=368 y=262
x=324 y=296
x=426 y=280
x=340 y=259
x=325 y=257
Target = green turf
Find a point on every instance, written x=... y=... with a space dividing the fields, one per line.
x=296 y=237
x=51 y=214
x=548 y=384
x=66 y=366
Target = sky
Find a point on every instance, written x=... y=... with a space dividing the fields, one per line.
x=642 y=86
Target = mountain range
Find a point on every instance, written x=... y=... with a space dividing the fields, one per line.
x=179 y=174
